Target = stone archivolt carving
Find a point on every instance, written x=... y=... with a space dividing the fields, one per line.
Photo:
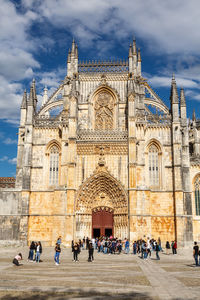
x=109 y=149
x=104 y=107
x=102 y=189
x=99 y=208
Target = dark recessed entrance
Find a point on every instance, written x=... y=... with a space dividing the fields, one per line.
x=108 y=232
x=102 y=222
x=96 y=232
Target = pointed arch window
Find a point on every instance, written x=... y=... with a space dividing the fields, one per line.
x=153 y=166
x=197 y=195
x=53 y=165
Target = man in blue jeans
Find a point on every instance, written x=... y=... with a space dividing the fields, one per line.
x=57 y=254
x=196 y=253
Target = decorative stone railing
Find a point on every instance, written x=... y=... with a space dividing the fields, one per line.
x=94 y=66
x=101 y=135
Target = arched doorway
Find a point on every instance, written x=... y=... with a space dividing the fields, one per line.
x=102 y=222
x=101 y=190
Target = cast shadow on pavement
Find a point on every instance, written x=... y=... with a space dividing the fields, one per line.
x=76 y=294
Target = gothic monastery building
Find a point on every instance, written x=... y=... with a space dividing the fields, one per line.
x=104 y=155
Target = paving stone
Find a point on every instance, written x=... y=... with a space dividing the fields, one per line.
x=108 y=277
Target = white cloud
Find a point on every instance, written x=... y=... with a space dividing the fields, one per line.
x=165 y=27
x=4 y=158
x=16 y=58
x=168 y=26
x=160 y=81
x=12 y=161
x=9 y=141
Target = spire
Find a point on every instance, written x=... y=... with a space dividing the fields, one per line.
x=45 y=96
x=174 y=93
x=194 y=116
x=76 y=51
x=130 y=51
x=139 y=56
x=134 y=47
x=24 y=100
x=182 y=98
x=34 y=92
x=73 y=46
x=69 y=56
x=31 y=99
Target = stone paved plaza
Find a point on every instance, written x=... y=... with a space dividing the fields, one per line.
x=108 y=277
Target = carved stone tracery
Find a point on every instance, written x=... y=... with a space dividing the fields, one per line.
x=104 y=107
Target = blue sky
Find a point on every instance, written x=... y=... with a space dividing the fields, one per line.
x=35 y=36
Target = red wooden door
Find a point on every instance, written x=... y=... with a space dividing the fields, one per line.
x=102 y=219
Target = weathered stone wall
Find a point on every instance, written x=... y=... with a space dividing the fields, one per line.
x=13 y=215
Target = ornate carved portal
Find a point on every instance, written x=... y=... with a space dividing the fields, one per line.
x=101 y=191
x=104 y=111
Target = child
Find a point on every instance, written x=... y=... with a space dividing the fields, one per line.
x=17 y=259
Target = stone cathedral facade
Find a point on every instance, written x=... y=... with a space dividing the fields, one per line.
x=104 y=155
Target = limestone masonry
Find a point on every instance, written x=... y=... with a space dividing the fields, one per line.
x=104 y=156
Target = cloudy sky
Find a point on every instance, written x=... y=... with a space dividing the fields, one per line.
x=35 y=36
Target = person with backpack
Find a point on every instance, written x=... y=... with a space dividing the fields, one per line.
x=57 y=254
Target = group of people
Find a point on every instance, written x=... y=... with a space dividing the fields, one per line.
x=105 y=245
x=78 y=246
x=35 y=251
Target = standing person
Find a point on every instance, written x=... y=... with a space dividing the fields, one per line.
x=38 y=252
x=127 y=246
x=196 y=253
x=134 y=248
x=31 y=251
x=172 y=246
x=84 y=243
x=76 y=252
x=159 y=243
x=145 y=252
x=157 y=251
x=175 y=247
x=87 y=243
x=57 y=254
x=167 y=247
x=99 y=246
x=90 y=252
x=148 y=248
x=17 y=258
